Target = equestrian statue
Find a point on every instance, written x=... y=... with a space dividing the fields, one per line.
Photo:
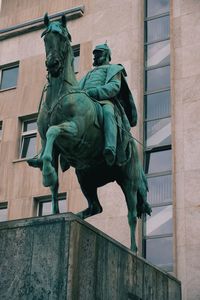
x=86 y=125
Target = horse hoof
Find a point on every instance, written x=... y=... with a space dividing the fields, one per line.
x=35 y=163
x=89 y=212
x=134 y=249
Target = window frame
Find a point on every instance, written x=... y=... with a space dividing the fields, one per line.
x=76 y=49
x=40 y=200
x=7 y=67
x=26 y=134
x=4 y=205
x=154 y=148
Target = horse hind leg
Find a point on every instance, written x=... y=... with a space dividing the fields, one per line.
x=130 y=194
x=94 y=207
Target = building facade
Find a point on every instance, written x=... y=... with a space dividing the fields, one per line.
x=158 y=42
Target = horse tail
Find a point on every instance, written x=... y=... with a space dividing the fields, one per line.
x=143 y=206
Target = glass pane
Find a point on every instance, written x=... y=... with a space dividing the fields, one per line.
x=76 y=63
x=158 y=105
x=46 y=207
x=157 y=29
x=9 y=78
x=3 y=214
x=160 y=252
x=160 y=189
x=158 y=133
x=28 y=146
x=158 y=54
x=156 y=7
x=159 y=161
x=30 y=125
x=158 y=79
x=160 y=221
x=62 y=205
x=76 y=51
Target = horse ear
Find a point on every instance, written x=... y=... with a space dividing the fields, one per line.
x=46 y=20
x=63 y=20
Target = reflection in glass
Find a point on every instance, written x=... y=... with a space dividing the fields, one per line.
x=3 y=214
x=28 y=146
x=157 y=29
x=160 y=221
x=158 y=54
x=156 y=7
x=157 y=105
x=30 y=125
x=76 y=64
x=159 y=161
x=158 y=132
x=160 y=253
x=160 y=189
x=158 y=79
x=9 y=77
x=45 y=207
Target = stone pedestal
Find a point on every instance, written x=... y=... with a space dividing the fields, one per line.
x=62 y=257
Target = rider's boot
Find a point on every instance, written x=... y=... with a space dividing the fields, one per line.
x=110 y=133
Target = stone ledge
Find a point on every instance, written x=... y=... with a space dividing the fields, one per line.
x=63 y=257
x=36 y=24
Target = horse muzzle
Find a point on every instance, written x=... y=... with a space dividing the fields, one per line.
x=54 y=66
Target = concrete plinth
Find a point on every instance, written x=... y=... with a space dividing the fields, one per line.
x=62 y=257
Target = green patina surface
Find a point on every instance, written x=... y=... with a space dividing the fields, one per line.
x=86 y=125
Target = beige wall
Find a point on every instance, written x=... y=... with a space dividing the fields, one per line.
x=102 y=20
x=186 y=123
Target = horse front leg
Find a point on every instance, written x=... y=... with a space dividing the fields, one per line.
x=36 y=161
x=50 y=177
x=54 y=196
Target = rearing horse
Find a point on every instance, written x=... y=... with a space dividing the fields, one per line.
x=70 y=125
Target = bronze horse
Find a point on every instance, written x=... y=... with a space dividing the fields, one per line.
x=70 y=127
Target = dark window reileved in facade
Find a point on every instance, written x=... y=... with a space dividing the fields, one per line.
x=9 y=76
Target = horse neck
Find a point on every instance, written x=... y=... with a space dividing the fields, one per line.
x=68 y=71
x=62 y=84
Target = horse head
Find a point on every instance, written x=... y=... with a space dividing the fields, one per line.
x=56 y=39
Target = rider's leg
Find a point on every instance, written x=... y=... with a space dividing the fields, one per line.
x=110 y=133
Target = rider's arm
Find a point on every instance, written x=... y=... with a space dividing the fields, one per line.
x=107 y=91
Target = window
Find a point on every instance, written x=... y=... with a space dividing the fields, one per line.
x=1 y=129
x=158 y=79
x=158 y=229
x=44 y=204
x=158 y=161
x=28 y=138
x=3 y=211
x=76 y=50
x=9 y=77
x=157 y=29
x=156 y=7
x=157 y=105
x=158 y=54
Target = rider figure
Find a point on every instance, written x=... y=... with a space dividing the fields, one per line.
x=106 y=83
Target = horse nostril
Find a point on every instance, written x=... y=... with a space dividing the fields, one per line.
x=52 y=63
